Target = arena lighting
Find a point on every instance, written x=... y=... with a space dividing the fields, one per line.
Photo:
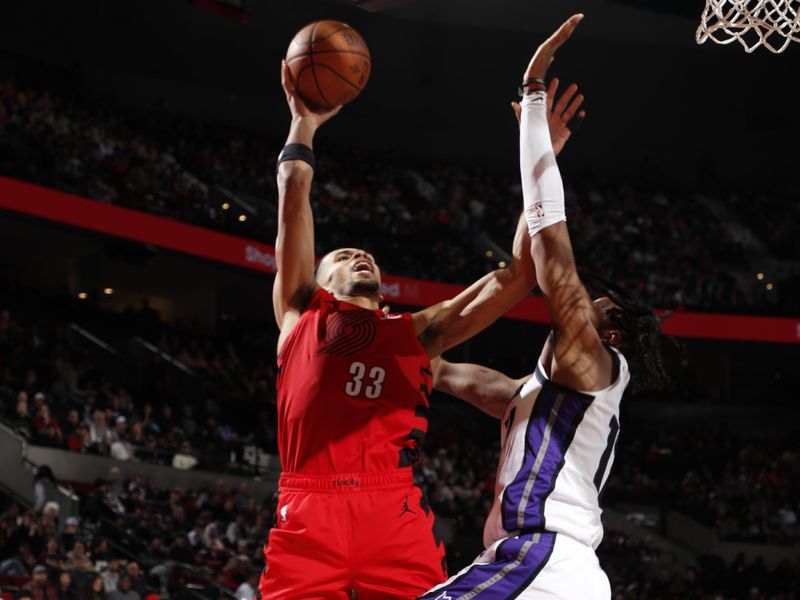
x=108 y=291
x=489 y=254
x=770 y=286
x=760 y=276
x=243 y=218
x=226 y=206
x=502 y=264
x=82 y=295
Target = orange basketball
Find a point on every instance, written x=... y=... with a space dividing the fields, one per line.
x=329 y=64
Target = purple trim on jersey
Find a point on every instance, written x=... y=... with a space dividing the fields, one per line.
x=556 y=415
x=518 y=560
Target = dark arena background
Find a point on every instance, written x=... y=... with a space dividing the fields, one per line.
x=138 y=216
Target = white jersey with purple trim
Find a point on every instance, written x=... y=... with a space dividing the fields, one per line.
x=557 y=450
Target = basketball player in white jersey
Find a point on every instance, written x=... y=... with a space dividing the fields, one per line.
x=560 y=426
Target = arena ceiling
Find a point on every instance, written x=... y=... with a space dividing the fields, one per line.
x=649 y=21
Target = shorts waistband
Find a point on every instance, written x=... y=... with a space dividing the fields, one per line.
x=347 y=483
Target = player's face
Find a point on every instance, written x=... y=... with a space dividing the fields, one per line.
x=350 y=272
x=605 y=328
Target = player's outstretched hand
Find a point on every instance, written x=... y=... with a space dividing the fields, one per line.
x=297 y=106
x=541 y=60
x=563 y=116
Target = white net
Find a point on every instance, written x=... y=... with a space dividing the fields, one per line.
x=753 y=23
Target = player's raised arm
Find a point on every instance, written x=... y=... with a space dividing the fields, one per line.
x=294 y=247
x=449 y=323
x=452 y=322
x=581 y=360
x=486 y=389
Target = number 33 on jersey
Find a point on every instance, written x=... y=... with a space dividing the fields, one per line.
x=353 y=390
x=373 y=388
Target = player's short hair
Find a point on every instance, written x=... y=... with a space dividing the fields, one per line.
x=641 y=340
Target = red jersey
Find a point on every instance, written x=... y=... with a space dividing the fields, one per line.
x=353 y=389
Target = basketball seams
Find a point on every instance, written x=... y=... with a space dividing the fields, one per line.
x=311 y=41
x=332 y=51
x=332 y=70
x=334 y=32
x=321 y=102
x=314 y=67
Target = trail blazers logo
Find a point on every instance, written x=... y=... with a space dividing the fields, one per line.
x=348 y=332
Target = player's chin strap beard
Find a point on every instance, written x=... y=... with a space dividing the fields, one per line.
x=364 y=288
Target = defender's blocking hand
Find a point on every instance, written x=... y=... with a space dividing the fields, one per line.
x=541 y=60
x=561 y=114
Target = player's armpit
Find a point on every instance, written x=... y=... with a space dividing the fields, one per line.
x=486 y=389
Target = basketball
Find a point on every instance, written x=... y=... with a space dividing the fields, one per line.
x=329 y=63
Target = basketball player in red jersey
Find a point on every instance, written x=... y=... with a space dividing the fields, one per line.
x=353 y=401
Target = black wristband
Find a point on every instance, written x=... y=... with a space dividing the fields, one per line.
x=297 y=152
x=532 y=81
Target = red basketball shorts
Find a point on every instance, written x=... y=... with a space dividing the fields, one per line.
x=371 y=533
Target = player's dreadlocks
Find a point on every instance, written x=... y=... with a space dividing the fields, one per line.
x=641 y=340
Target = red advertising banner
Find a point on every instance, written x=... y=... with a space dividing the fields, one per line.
x=166 y=233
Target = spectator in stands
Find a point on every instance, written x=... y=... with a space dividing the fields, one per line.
x=38 y=397
x=101 y=552
x=120 y=431
x=70 y=533
x=124 y=591
x=21 y=421
x=120 y=446
x=184 y=458
x=21 y=562
x=46 y=428
x=40 y=587
x=99 y=434
x=89 y=406
x=48 y=520
x=236 y=530
x=66 y=588
x=157 y=551
x=79 y=440
x=10 y=514
x=95 y=590
x=77 y=559
x=73 y=421
x=137 y=582
x=137 y=438
x=110 y=574
x=180 y=551
x=44 y=488
x=116 y=486
x=53 y=557
x=247 y=590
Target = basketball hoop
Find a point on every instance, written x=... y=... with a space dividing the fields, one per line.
x=752 y=23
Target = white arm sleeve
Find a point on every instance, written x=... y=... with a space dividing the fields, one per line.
x=542 y=189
